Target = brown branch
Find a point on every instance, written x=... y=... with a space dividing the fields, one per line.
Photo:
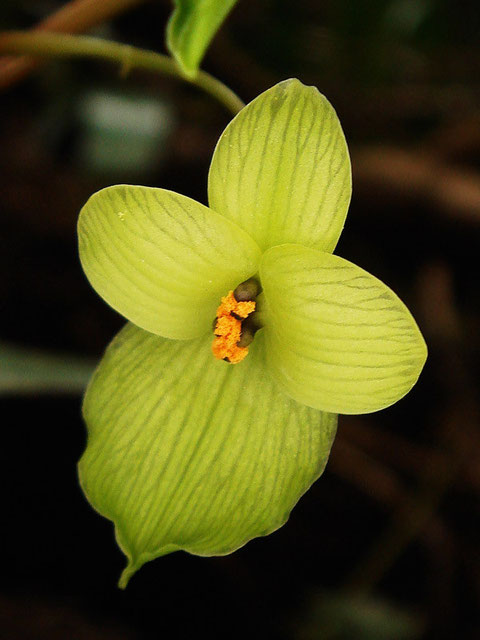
x=392 y=448
x=457 y=416
x=76 y=16
x=416 y=176
x=409 y=520
x=370 y=476
x=383 y=485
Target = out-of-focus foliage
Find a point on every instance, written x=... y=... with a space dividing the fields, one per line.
x=123 y=133
x=26 y=370
x=191 y=28
x=343 y=617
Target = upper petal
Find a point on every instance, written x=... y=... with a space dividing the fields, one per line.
x=161 y=259
x=281 y=169
x=188 y=452
x=338 y=339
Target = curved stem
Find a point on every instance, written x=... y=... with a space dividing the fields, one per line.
x=54 y=45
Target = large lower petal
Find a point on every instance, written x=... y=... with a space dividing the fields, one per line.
x=281 y=169
x=161 y=259
x=337 y=338
x=188 y=452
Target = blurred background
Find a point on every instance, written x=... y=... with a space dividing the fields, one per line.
x=385 y=544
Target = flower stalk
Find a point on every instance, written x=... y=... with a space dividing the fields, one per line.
x=55 y=45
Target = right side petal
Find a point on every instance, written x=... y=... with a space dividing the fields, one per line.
x=338 y=339
x=161 y=259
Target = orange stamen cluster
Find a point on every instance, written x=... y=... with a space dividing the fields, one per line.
x=228 y=328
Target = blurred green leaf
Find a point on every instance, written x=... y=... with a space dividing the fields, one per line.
x=123 y=133
x=191 y=27
x=25 y=371
x=345 y=617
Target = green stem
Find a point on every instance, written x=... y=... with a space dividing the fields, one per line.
x=54 y=45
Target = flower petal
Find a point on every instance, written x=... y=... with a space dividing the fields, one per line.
x=337 y=338
x=281 y=169
x=188 y=452
x=161 y=259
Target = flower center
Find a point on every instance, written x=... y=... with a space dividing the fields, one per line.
x=235 y=325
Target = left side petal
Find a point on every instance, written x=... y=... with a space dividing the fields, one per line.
x=337 y=338
x=188 y=452
x=161 y=259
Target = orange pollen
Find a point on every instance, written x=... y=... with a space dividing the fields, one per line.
x=228 y=328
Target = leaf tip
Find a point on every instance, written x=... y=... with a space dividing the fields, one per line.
x=190 y=29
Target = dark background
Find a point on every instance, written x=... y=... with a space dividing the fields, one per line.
x=385 y=545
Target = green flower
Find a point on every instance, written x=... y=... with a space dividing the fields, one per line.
x=186 y=451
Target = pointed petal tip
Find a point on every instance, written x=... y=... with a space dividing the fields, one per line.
x=128 y=573
x=125 y=576
x=296 y=83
